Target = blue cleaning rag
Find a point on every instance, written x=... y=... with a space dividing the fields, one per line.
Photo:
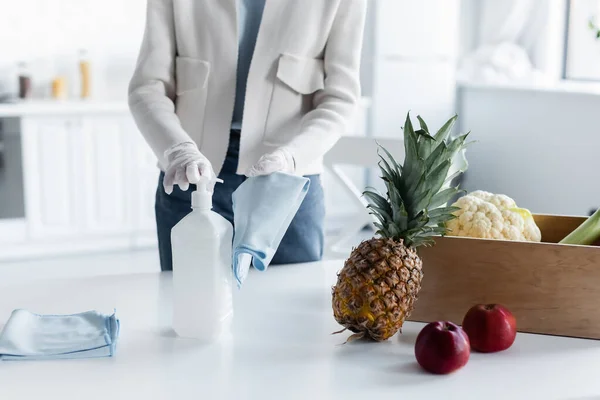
x=263 y=209
x=28 y=336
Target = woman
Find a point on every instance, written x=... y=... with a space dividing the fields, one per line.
x=242 y=88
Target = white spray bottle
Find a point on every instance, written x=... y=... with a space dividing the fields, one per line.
x=202 y=275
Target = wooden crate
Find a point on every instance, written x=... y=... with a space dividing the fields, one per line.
x=551 y=288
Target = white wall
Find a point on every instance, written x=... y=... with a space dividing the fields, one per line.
x=415 y=58
x=470 y=11
x=536 y=146
x=584 y=48
x=49 y=33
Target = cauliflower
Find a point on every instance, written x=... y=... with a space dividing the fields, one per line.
x=493 y=216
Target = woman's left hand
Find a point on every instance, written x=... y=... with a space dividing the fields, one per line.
x=281 y=160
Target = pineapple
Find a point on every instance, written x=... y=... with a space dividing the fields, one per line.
x=377 y=288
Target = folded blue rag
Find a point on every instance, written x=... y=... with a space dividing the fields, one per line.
x=28 y=336
x=263 y=209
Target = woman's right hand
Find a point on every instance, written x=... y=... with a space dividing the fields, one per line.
x=185 y=165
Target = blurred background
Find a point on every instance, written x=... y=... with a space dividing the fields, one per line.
x=76 y=178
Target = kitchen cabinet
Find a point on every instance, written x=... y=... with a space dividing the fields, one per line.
x=142 y=180
x=104 y=159
x=88 y=178
x=49 y=179
x=74 y=175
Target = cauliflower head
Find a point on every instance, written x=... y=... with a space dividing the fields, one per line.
x=487 y=215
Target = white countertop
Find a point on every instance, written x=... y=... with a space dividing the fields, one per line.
x=60 y=107
x=560 y=87
x=74 y=107
x=281 y=348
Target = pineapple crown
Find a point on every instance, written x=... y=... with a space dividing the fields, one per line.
x=415 y=206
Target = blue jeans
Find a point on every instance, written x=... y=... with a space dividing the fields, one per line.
x=303 y=241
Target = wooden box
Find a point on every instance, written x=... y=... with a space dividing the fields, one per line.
x=551 y=288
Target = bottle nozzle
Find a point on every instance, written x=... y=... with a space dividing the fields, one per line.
x=202 y=197
x=203 y=183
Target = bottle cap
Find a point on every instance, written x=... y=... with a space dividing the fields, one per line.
x=202 y=197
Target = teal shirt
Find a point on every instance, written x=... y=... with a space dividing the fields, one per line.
x=249 y=18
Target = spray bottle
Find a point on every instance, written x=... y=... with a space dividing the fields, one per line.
x=202 y=273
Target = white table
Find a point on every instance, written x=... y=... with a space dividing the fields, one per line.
x=281 y=348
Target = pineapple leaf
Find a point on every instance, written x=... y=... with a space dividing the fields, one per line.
x=410 y=145
x=379 y=207
x=385 y=171
x=378 y=216
x=443 y=212
x=413 y=192
x=450 y=178
x=435 y=232
x=422 y=124
x=441 y=220
x=443 y=197
x=401 y=222
x=437 y=177
x=380 y=229
x=379 y=201
x=438 y=155
x=400 y=219
x=413 y=162
x=386 y=178
x=377 y=213
x=418 y=225
x=412 y=181
x=393 y=176
x=399 y=216
x=422 y=200
x=399 y=213
x=419 y=222
x=411 y=234
x=425 y=143
x=397 y=168
x=394 y=196
x=415 y=205
x=425 y=146
x=393 y=231
x=380 y=219
x=457 y=144
x=445 y=130
x=422 y=134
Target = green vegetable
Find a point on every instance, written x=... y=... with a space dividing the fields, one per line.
x=587 y=233
x=592 y=25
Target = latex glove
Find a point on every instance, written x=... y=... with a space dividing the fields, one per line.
x=185 y=165
x=281 y=160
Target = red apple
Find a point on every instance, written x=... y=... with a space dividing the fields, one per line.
x=442 y=347
x=490 y=327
